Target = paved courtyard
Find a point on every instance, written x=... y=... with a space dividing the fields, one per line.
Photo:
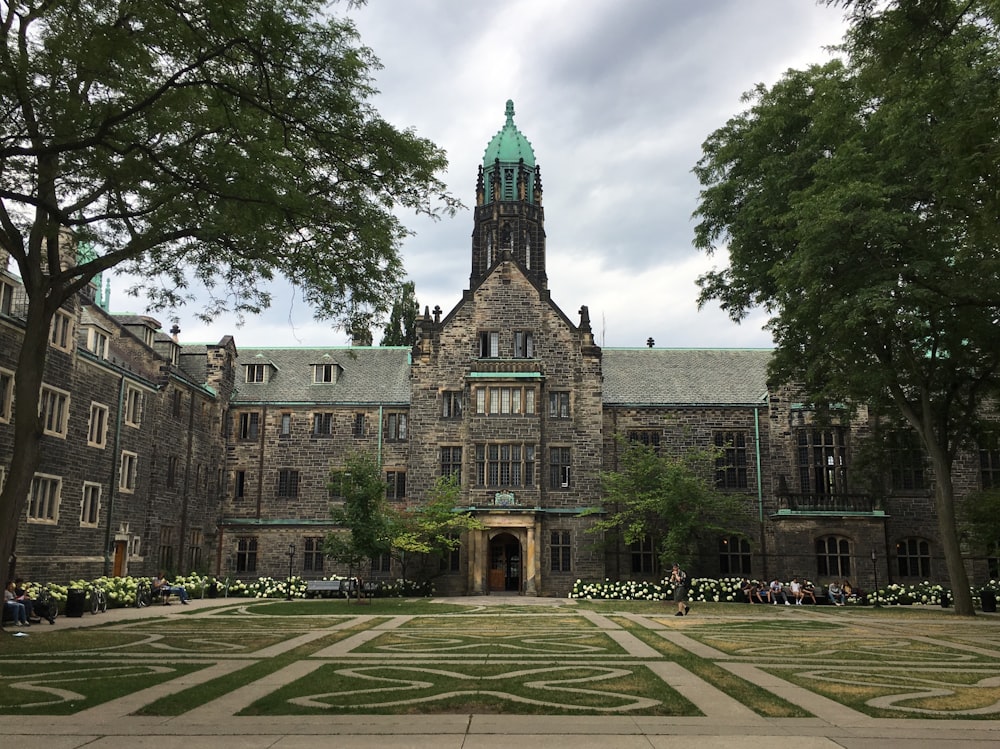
x=549 y=673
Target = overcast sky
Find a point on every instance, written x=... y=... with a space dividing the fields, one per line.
x=616 y=97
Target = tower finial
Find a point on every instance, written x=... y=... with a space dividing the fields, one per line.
x=510 y=111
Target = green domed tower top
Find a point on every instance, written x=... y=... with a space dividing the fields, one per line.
x=509 y=217
x=509 y=145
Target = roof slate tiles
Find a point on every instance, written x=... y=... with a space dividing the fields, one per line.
x=685 y=376
x=375 y=375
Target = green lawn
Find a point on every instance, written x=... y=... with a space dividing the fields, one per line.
x=393 y=656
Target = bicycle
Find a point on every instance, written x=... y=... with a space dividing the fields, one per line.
x=143 y=594
x=98 y=599
x=46 y=605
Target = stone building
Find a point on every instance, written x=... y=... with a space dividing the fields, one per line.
x=133 y=449
x=217 y=460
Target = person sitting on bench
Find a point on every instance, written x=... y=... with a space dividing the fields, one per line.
x=164 y=588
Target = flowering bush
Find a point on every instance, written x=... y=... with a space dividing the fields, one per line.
x=726 y=589
x=700 y=589
x=920 y=594
x=121 y=591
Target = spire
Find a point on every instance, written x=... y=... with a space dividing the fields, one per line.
x=509 y=218
x=509 y=145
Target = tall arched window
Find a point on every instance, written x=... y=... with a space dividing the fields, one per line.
x=833 y=557
x=913 y=557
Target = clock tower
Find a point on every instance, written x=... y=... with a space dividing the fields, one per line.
x=509 y=220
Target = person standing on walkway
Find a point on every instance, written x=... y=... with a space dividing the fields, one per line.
x=678 y=578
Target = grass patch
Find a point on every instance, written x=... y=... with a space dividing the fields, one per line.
x=500 y=620
x=905 y=693
x=180 y=702
x=64 y=688
x=70 y=642
x=345 y=608
x=515 y=689
x=533 y=641
x=760 y=701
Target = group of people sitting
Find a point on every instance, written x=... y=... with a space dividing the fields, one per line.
x=797 y=592
x=20 y=608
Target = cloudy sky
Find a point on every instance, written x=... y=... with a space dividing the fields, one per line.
x=616 y=97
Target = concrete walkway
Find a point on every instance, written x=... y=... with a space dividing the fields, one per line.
x=726 y=722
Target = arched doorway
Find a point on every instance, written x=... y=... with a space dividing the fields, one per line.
x=505 y=563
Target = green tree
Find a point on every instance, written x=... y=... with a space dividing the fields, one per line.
x=402 y=327
x=859 y=205
x=368 y=521
x=194 y=145
x=982 y=515
x=432 y=527
x=669 y=499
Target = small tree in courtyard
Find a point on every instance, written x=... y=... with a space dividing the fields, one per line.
x=669 y=499
x=432 y=527
x=368 y=521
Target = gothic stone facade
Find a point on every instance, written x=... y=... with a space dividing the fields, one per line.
x=133 y=448
x=214 y=459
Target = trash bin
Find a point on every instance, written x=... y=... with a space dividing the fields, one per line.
x=76 y=601
x=989 y=601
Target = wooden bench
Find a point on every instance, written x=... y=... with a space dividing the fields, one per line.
x=326 y=588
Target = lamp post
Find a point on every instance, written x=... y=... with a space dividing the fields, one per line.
x=875 y=571
x=291 y=555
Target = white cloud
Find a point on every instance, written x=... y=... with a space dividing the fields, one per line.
x=616 y=98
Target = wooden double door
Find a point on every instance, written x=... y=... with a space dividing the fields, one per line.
x=505 y=564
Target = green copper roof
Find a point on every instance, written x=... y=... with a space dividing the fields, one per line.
x=509 y=145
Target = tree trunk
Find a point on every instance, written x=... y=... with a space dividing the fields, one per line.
x=944 y=496
x=27 y=427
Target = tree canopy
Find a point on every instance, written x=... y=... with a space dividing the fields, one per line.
x=432 y=527
x=365 y=514
x=202 y=146
x=666 y=499
x=858 y=204
x=401 y=329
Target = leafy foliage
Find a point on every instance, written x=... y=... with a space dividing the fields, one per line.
x=365 y=513
x=667 y=498
x=433 y=527
x=858 y=204
x=202 y=148
x=402 y=327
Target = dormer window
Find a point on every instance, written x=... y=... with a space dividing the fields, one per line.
x=97 y=342
x=323 y=373
x=148 y=336
x=256 y=372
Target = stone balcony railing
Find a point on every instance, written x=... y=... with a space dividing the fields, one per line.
x=829 y=504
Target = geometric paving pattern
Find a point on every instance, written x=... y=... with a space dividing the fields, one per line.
x=723 y=663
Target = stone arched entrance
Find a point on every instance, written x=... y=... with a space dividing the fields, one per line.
x=506 y=564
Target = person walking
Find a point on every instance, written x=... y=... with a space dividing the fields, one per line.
x=678 y=578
